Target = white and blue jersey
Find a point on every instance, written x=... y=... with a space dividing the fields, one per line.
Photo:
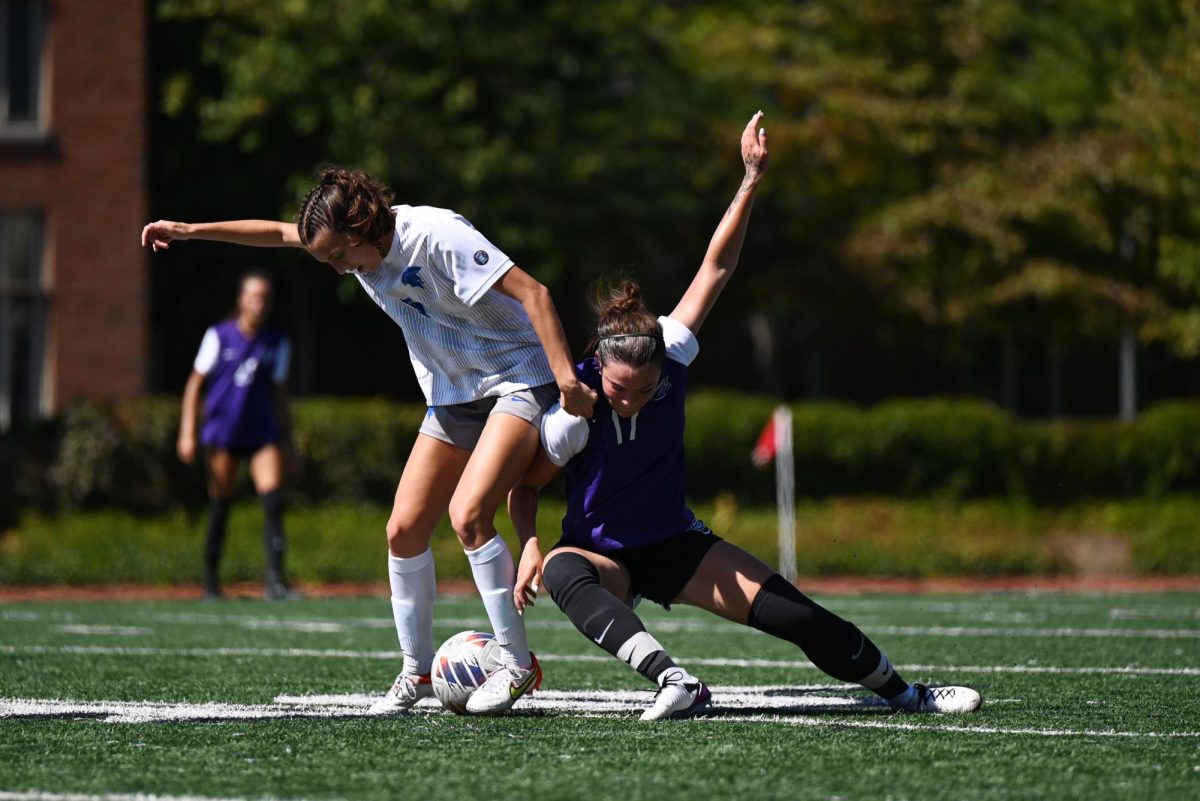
x=625 y=476
x=465 y=342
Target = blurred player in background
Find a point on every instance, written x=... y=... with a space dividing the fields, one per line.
x=490 y=356
x=628 y=533
x=242 y=369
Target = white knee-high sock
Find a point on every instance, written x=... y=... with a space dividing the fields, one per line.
x=494 y=572
x=413 y=588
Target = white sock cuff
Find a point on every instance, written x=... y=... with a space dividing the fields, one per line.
x=878 y=677
x=486 y=552
x=635 y=650
x=410 y=564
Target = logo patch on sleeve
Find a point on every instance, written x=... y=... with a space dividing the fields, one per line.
x=481 y=257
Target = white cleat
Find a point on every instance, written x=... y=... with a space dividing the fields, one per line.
x=680 y=696
x=503 y=688
x=945 y=700
x=403 y=695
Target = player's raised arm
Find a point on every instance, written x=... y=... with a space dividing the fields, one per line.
x=255 y=233
x=726 y=244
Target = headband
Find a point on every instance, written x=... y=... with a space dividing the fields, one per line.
x=628 y=336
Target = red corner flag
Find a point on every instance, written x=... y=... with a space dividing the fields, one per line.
x=764 y=449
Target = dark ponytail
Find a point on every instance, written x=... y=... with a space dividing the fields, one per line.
x=626 y=331
x=347 y=202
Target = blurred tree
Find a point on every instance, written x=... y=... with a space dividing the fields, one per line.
x=953 y=181
x=574 y=140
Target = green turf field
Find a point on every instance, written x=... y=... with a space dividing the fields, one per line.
x=1086 y=696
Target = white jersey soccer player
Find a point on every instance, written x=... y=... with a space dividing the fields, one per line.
x=490 y=356
x=628 y=532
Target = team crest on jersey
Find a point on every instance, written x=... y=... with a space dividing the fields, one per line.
x=228 y=354
x=664 y=386
x=244 y=376
x=412 y=304
x=411 y=277
x=481 y=257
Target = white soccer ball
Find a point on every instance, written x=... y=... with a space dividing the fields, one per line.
x=461 y=666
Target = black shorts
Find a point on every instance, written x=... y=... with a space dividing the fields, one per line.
x=661 y=570
x=240 y=450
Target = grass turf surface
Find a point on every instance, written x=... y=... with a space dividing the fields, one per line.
x=1059 y=721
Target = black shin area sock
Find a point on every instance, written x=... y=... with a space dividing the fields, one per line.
x=214 y=542
x=834 y=645
x=575 y=586
x=273 y=541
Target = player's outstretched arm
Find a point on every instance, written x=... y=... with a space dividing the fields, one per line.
x=255 y=233
x=726 y=245
x=522 y=510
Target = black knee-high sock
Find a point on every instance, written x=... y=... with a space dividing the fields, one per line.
x=273 y=540
x=218 y=517
x=575 y=586
x=834 y=645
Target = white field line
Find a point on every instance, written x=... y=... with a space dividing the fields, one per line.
x=123 y=631
x=757 y=706
x=703 y=661
x=327 y=626
x=39 y=795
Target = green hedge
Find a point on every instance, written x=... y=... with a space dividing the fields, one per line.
x=123 y=455
x=860 y=536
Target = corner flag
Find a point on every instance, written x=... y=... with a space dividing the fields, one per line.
x=775 y=443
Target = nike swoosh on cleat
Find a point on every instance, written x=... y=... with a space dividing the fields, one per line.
x=600 y=639
x=515 y=691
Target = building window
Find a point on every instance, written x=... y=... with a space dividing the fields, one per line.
x=23 y=319
x=21 y=55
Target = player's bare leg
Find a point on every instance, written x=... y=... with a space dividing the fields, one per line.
x=422 y=497
x=505 y=449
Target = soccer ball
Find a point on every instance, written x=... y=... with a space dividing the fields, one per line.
x=461 y=665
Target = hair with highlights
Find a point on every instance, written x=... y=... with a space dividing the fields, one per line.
x=347 y=202
x=626 y=331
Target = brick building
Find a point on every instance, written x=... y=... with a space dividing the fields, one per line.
x=73 y=163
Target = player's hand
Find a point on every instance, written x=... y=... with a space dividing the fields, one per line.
x=577 y=398
x=159 y=235
x=186 y=449
x=529 y=575
x=754 y=148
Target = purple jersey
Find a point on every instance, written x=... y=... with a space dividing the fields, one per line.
x=240 y=374
x=626 y=486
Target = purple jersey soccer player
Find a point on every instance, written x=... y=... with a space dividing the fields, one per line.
x=242 y=367
x=241 y=372
x=629 y=534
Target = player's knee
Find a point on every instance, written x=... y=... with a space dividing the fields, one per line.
x=471 y=522
x=399 y=537
x=565 y=573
